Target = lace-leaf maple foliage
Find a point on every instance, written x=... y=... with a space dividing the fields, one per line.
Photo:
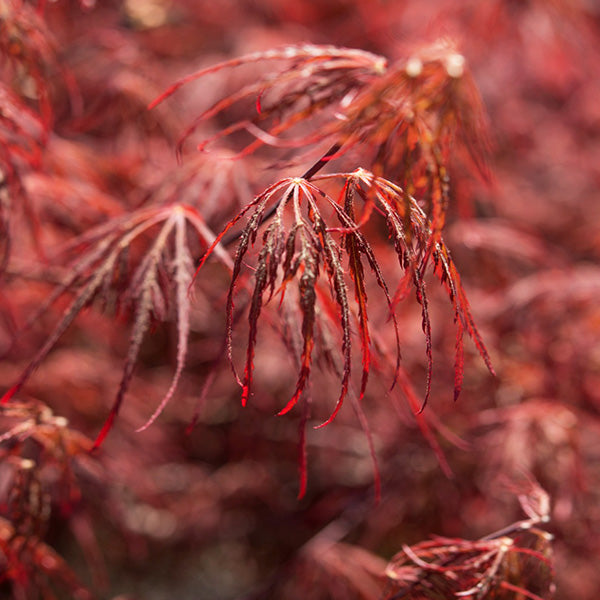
x=528 y=258
x=146 y=284
x=514 y=562
x=43 y=460
x=28 y=58
x=407 y=115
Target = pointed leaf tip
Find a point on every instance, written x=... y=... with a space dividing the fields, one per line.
x=104 y=431
x=245 y=394
x=294 y=400
x=9 y=394
x=334 y=413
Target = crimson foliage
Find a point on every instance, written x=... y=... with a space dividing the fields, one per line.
x=186 y=187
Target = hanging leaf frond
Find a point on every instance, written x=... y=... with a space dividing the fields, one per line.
x=299 y=244
x=105 y=270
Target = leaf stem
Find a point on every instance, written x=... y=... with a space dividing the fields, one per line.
x=233 y=237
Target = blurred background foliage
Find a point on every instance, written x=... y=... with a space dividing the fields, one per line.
x=211 y=511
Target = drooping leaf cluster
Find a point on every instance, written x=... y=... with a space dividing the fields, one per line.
x=297 y=243
x=139 y=263
x=39 y=452
x=408 y=114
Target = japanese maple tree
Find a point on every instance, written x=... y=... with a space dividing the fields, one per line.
x=235 y=338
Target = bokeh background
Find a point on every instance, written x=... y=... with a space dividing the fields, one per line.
x=211 y=511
